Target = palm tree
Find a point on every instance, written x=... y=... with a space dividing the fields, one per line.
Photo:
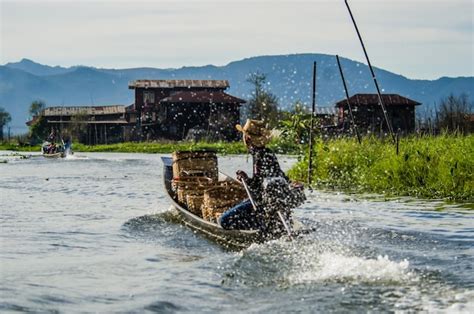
x=5 y=118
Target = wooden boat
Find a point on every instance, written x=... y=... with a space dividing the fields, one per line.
x=61 y=151
x=236 y=239
x=54 y=155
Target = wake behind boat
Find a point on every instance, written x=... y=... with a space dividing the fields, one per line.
x=200 y=194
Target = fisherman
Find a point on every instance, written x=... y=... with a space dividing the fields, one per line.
x=265 y=165
x=52 y=148
x=52 y=136
x=68 y=145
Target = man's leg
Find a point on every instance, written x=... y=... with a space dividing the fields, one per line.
x=240 y=216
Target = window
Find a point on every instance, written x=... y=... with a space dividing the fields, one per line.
x=148 y=97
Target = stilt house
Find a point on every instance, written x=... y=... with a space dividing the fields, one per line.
x=89 y=124
x=185 y=109
x=369 y=117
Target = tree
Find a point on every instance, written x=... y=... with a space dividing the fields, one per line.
x=263 y=105
x=454 y=113
x=39 y=130
x=36 y=108
x=296 y=123
x=5 y=118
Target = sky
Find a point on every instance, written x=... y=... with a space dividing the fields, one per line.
x=420 y=39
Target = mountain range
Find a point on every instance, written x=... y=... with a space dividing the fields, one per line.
x=289 y=77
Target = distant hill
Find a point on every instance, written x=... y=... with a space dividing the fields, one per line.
x=289 y=77
x=32 y=67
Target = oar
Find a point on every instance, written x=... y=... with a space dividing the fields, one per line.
x=287 y=227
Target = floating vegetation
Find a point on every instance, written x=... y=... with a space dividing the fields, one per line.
x=15 y=155
x=429 y=166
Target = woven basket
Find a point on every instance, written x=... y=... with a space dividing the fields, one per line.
x=191 y=186
x=221 y=198
x=198 y=163
x=212 y=214
x=194 y=203
x=224 y=196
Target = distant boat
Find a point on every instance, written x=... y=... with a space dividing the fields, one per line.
x=53 y=150
x=53 y=155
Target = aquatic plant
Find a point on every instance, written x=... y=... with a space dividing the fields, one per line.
x=429 y=166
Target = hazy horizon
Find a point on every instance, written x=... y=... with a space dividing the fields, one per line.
x=223 y=65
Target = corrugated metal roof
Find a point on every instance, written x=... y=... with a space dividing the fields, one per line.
x=373 y=99
x=89 y=110
x=178 y=83
x=217 y=97
x=118 y=121
x=326 y=110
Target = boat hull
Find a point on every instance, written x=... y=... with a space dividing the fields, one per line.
x=229 y=238
x=55 y=155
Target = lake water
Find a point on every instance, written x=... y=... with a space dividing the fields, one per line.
x=93 y=233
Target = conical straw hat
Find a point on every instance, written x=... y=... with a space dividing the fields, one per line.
x=256 y=130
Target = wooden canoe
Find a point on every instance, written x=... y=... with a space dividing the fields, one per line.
x=55 y=155
x=236 y=239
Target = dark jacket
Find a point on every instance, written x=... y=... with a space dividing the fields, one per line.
x=265 y=164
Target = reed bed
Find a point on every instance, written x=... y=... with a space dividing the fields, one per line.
x=430 y=166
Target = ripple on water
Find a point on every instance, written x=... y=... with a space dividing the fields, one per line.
x=364 y=255
x=6 y=306
x=164 y=307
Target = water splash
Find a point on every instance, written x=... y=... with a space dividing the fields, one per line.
x=75 y=157
x=330 y=266
x=334 y=252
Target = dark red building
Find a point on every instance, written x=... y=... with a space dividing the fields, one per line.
x=368 y=114
x=185 y=109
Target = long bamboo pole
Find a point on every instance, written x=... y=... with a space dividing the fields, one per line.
x=385 y=113
x=347 y=101
x=313 y=109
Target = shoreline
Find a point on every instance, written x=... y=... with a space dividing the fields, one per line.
x=429 y=167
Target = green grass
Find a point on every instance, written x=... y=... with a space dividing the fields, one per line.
x=143 y=147
x=430 y=167
x=169 y=147
x=19 y=148
x=163 y=147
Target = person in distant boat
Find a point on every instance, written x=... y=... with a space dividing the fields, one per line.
x=52 y=136
x=52 y=148
x=265 y=165
x=68 y=144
